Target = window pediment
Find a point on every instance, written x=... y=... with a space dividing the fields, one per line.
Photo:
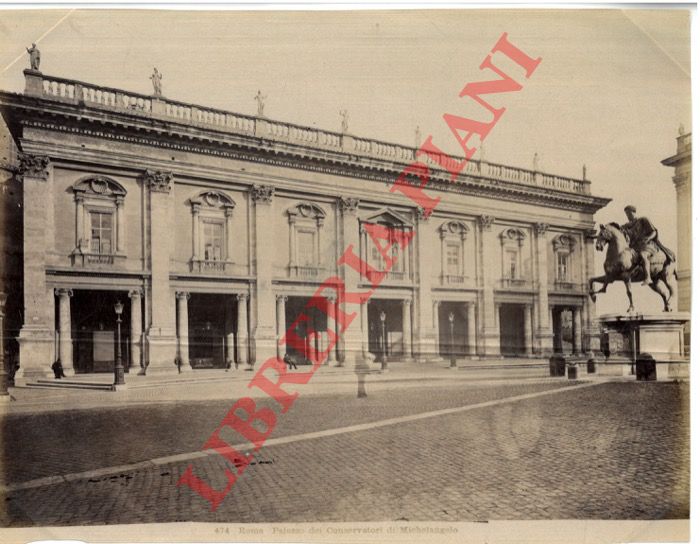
x=388 y=217
x=512 y=236
x=99 y=187
x=306 y=211
x=215 y=200
x=564 y=242
x=454 y=228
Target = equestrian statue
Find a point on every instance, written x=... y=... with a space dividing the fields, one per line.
x=635 y=254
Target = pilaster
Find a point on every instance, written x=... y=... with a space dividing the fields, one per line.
x=352 y=349
x=36 y=339
x=162 y=341
x=490 y=266
x=544 y=333
x=426 y=330
x=263 y=332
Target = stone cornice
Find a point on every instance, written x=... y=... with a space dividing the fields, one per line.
x=120 y=126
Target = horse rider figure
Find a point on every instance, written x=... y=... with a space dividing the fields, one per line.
x=644 y=239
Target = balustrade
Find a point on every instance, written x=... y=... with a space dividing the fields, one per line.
x=77 y=92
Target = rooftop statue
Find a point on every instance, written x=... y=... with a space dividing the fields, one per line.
x=157 y=79
x=260 y=99
x=635 y=254
x=34 y=57
x=344 y=121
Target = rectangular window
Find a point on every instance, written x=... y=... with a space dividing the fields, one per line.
x=306 y=248
x=101 y=229
x=562 y=267
x=213 y=241
x=453 y=260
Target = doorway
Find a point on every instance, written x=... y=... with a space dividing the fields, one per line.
x=512 y=325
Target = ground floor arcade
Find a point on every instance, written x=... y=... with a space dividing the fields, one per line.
x=218 y=326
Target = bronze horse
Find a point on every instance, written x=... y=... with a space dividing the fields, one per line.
x=622 y=264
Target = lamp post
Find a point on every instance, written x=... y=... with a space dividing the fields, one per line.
x=119 y=383
x=453 y=356
x=4 y=394
x=382 y=346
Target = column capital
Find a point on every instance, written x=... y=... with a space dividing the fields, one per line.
x=282 y=298
x=158 y=181
x=136 y=293
x=486 y=221
x=423 y=214
x=182 y=295
x=63 y=292
x=33 y=166
x=262 y=194
x=348 y=205
x=541 y=229
x=590 y=235
x=242 y=297
x=406 y=302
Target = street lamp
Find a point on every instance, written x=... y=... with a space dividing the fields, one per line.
x=4 y=394
x=453 y=356
x=382 y=345
x=119 y=383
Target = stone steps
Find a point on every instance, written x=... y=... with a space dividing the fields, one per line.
x=68 y=384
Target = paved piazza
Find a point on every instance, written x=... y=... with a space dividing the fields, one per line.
x=609 y=451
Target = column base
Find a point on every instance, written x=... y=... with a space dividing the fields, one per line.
x=162 y=350
x=36 y=352
x=264 y=345
x=492 y=344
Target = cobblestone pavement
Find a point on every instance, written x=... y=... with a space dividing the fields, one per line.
x=53 y=443
x=611 y=451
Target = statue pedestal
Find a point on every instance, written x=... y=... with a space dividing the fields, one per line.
x=659 y=335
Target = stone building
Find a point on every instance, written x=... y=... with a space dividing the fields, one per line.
x=682 y=177
x=213 y=228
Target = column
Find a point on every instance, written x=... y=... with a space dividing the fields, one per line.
x=121 y=225
x=365 y=328
x=353 y=348
x=281 y=322
x=230 y=336
x=406 y=333
x=135 y=340
x=263 y=327
x=242 y=333
x=592 y=329
x=489 y=257
x=544 y=332
x=527 y=315
x=333 y=325
x=65 y=341
x=576 y=332
x=161 y=337
x=471 y=329
x=183 y=329
x=196 y=242
x=427 y=338
x=436 y=326
x=496 y=350
x=36 y=339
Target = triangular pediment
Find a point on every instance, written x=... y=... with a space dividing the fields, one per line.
x=388 y=217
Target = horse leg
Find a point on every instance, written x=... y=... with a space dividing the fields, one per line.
x=598 y=279
x=656 y=286
x=628 y=287
x=666 y=279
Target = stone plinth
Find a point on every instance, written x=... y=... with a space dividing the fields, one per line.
x=659 y=335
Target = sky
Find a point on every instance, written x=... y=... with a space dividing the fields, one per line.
x=611 y=91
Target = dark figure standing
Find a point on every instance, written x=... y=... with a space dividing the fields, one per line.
x=57 y=368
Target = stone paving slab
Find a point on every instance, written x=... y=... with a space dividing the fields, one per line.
x=613 y=451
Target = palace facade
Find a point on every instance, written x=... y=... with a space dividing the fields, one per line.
x=214 y=228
